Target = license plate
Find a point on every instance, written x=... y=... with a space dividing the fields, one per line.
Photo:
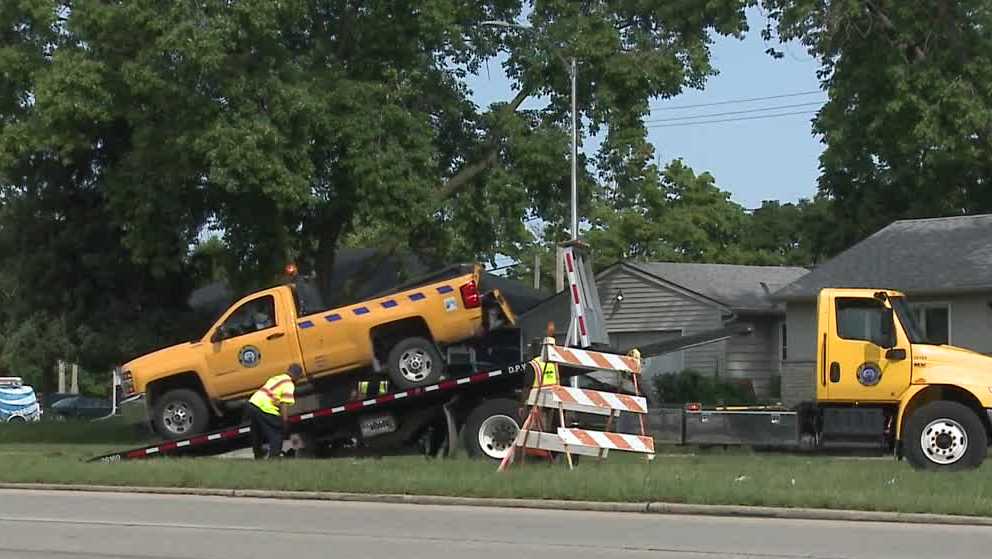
x=377 y=425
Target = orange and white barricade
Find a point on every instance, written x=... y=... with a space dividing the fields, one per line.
x=534 y=435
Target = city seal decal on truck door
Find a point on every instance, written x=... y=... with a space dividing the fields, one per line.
x=249 y=356
x=869 y=374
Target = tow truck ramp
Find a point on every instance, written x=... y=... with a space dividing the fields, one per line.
x=238 y=437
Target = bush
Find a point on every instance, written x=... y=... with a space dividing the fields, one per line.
x=692 y=386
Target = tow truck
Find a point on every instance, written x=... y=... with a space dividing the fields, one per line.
x=476 y=407
x=879 y=383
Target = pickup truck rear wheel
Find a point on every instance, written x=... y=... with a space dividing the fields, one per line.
x=180 y=413
x=415 y=362
x=945 y=435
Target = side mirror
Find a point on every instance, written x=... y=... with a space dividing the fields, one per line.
x=888 y=329
x=896 y=354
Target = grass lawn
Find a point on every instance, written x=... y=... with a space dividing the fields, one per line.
x=712 y=477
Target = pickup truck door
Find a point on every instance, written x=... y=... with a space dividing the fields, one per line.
x=867 y=355
x=252 y=342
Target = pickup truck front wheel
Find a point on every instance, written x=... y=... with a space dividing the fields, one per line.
x=415 y=362
x=180 y=413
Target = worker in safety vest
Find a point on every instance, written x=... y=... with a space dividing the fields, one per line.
x=268 y=410
x=539 y=374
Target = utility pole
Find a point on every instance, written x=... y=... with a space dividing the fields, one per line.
x=537 y=272
x=575 y=135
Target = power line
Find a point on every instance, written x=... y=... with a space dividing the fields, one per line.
x=710 y=115
x=759 y=117
x=733 y=101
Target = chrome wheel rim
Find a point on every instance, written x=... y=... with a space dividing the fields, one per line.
x=944 y=441
x=496 y=435
x=177 y=417
x=415 y=365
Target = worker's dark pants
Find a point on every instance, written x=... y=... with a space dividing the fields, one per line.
x=265 y=427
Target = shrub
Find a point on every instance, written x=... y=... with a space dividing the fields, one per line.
x=692 y=386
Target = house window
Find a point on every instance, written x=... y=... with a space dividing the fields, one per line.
x=934 y=320
x=783 y=331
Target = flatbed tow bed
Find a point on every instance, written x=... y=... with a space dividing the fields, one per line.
x=451 y=401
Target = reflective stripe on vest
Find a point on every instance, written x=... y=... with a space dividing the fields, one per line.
x=546 y=374
x=277 y=390
x=363 y=387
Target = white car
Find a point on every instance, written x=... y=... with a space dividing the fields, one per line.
x=18 y=402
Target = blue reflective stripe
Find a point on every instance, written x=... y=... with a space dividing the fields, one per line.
x=417 y=296
x=445 y=289
x=306 y=324
x=388 y=304
x=333 y=317
x=360 y=311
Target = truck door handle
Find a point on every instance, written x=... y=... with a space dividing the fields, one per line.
x=275 y=336
x=835 y=372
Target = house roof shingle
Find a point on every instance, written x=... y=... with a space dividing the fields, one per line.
x=740 y=288
x=919 y=256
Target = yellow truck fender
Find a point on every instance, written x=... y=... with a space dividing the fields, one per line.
x=919 y=394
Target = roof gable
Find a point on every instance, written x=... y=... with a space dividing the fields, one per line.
x=735 y=287
x=923 y=256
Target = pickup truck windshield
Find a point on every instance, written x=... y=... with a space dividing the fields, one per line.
x=908 y=321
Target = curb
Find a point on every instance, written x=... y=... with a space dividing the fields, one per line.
x=738 y=511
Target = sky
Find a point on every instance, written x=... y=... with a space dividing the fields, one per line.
x=752 y=156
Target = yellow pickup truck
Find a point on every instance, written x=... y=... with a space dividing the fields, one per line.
x=401 y=333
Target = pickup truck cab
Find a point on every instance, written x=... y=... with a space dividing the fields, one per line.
x=400 y=334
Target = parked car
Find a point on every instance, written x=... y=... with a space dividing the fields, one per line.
x=18 y=403
x=48 y=400
x=81 y=407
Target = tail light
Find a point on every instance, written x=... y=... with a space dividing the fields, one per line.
x=470 y=295
x=695 y=406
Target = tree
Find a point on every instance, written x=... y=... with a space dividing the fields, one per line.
x=908 y=123
x=675 y=216
x=789 y=234
x=127 y=128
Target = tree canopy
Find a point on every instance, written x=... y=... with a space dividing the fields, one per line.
x=129 y=129
x=908 y=123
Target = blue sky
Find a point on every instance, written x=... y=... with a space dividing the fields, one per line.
x=755 y=159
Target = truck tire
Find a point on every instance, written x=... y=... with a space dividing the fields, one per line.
x=180 y=413
x=415 y=362
x=945 y=436
x=490 y=429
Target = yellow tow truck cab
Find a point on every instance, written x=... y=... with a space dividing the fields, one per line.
x=879 y=382
x=401 y=335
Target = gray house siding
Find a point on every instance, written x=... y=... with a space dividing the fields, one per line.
x=649 y=306
x=970 y=319
x=799 y=368
x=756 y=356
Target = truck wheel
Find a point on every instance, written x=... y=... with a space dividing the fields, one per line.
x=491 y=428
x=945 y=436
x=180 y=413
x=415 y=362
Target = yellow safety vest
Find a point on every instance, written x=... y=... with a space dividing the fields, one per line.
x=277 y=390
x=363 y=387
x=545 y=374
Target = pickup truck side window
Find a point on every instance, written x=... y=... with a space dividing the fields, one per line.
x=861 y=319
x=253 y=316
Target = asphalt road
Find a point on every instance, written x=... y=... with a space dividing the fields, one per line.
x=65 y=525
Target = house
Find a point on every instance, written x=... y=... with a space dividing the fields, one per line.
x=650 y=302
x=943 y=265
